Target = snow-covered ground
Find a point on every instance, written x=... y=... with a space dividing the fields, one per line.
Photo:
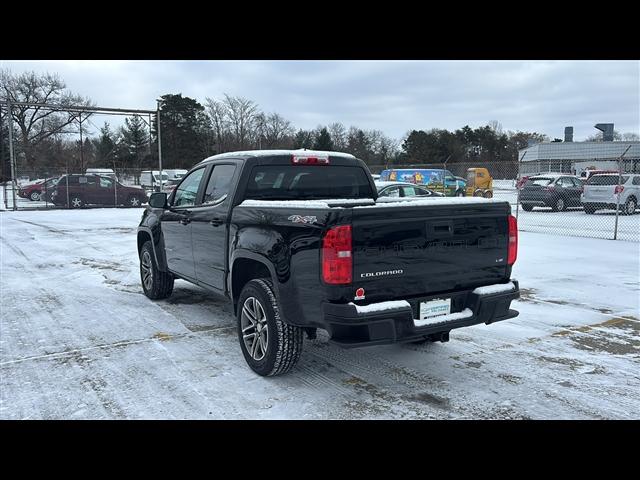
x=78 y=339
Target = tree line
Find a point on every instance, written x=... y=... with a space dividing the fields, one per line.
x=48 y=141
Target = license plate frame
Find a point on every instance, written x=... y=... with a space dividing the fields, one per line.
x=433 y=309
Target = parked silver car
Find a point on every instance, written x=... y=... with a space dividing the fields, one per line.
x=601 y=191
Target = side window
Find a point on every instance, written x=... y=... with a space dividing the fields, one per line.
x=636 y=180
x=390 y=192
x=105 y=182
x=219 y=184
x=409 y=191
x=577 y=182
x=186 y=192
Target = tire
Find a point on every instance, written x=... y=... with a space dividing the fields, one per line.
x=75 y=201
x=559 y=205
x=156 y=284
x=279 y=345
x=630 y=206
x=477 y=193
x=488 y=194
x=589 y=210
x=526 y=207
x=134 y=201
x=35 y=196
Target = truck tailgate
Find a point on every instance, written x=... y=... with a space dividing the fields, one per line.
x=407 y=251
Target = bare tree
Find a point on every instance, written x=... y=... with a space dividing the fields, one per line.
x=630 y=137
x=241 y=114
x=338 y=136
x=37 y=124
x=219 y=115
x=277 y=131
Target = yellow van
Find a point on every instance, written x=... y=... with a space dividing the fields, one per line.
x=479 y=183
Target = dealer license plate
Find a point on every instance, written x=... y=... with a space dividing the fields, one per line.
x=434 y=308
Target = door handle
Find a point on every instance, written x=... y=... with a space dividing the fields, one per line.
x=185 y=221
x=216 y=222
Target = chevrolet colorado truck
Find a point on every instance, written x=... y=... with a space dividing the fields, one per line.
x=299 y=241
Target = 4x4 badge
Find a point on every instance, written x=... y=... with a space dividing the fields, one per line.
x=303 y=219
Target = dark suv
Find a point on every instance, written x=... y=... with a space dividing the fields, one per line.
x=555 y=191
x=95 y=190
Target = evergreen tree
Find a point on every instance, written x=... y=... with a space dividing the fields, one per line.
x=185 y=129
x=323 y=140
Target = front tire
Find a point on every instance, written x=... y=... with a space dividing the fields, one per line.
x=270 y=346
x=526 y=208
x=589 y=210
x=35 y=196
x=156 y=284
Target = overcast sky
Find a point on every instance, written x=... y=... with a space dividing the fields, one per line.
x=392 y=96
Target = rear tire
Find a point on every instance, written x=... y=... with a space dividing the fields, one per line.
x=526 y=208
x=589 y=210
x=134 y=201
x=488 y=194
x=156 y=284
x=559 y=205
x=270 y=346
x=630 y=206
x=75 y=201
x=35 y=196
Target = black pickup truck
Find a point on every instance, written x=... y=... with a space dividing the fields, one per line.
x=298 y=241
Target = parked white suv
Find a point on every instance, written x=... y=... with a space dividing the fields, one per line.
x=601 y=191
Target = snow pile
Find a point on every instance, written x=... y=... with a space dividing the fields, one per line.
x=466 y=313
x=381 y=307
x=496 y=288
x=329 y=203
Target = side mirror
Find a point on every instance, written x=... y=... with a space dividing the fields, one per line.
x=158 y=200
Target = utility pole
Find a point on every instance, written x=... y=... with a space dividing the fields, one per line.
x=11 y=155
x=81 y=146
x=159 y=143
x=615 y=229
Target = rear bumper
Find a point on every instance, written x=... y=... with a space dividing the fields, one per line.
x=350 y=328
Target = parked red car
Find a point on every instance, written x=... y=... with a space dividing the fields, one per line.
x=34 y=191
x=96 y=190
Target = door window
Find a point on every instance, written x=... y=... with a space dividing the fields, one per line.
x=105 y=182
x=390 y=192
x=187 y=191
x=219 y=184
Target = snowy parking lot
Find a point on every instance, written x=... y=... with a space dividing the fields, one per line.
x=78 y=339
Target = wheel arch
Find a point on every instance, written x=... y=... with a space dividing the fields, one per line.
x=244 y=267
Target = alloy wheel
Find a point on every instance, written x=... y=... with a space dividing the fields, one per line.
x=255 y=331
x=147 y=270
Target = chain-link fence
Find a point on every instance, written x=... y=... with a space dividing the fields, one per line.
x=584 y=196
x=596 y=195
x=62 y=188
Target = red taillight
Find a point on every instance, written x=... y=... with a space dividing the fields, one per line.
x=336 y=255
x=309 y=160
x=619 y=189
x=513 y=240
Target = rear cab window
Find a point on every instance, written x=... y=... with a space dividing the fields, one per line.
x=297 y=182
x=541 y=181
x=606 y=180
